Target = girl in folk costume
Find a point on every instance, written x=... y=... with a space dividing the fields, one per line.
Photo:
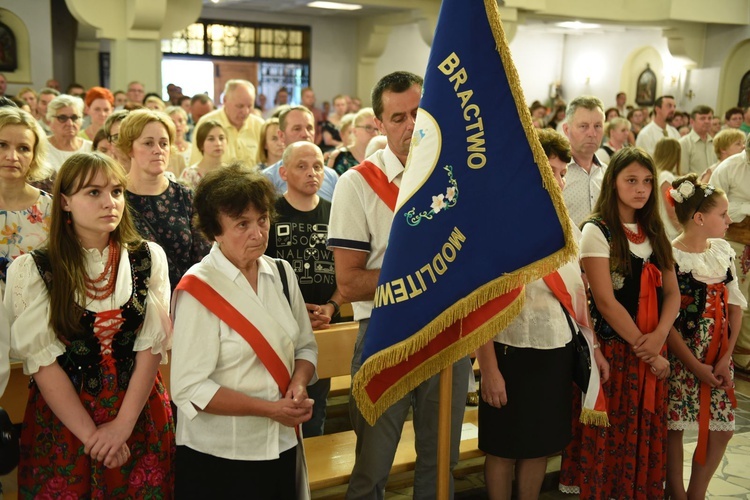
x=90 y=320
x=701 y=394
x=634 y=300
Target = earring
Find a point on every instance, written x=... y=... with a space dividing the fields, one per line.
x=69 y=220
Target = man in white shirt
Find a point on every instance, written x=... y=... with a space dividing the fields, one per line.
x=733 y=177
x=298 y=124
x=620 y=103
x=697 y=147
x=584 y=127
x=358 y=233
x=664 y=108
x=241 y=125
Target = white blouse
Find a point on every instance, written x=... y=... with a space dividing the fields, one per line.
x=711 y=266
x=27 y=302
x=594 y=243
x=208 y=354
x=542 y=324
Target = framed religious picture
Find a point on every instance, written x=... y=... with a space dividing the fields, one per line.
x=8 y=49
x=645 y=92
x=744 y=100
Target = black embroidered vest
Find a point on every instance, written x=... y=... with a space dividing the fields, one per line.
x=82 y=359
x=626 y=287
x=693 y=294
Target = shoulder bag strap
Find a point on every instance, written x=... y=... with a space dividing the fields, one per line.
x=284 y=282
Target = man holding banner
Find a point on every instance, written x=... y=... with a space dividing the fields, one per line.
x=360 y=225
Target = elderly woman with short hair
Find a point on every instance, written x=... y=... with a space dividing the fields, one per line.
x=236 y=421
x=65 y=115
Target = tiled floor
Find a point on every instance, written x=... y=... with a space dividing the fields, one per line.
x=731 y=481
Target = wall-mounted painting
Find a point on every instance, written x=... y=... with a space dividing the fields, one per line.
x=8 y=49
x=744 y=100
x=645 y=92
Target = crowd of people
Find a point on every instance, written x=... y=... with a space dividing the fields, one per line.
x=243 y=229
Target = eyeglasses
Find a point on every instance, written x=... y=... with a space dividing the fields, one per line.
x=368 y=128
x=65 y=118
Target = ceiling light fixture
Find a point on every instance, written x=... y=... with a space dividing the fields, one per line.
x=578 y=25
x=334 y=5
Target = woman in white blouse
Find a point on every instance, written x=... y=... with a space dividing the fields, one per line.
x=90 y=320
x=527 y=372
x=236 y=425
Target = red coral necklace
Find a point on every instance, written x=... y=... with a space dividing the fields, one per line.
x=109 y=274
x=635 y=238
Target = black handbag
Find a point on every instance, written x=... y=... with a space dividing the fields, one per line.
x=581 y=355
x=10 y=449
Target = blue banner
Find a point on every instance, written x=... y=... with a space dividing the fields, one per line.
x=478 y=214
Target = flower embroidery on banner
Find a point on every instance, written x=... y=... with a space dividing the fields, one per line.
x=440 y=202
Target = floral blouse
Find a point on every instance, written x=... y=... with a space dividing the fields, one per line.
x=191 y=176
x=344 y=161
x=166 y=219
x=23 y=231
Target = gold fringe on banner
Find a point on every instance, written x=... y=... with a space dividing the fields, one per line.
x=400 y=352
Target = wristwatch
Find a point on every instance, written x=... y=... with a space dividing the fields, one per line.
x=336 y=308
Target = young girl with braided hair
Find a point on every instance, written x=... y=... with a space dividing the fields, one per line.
x=701 y=394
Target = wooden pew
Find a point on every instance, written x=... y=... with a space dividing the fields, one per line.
x=330 y=458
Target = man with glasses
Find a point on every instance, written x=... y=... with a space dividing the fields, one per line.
x=298 y=124
x=136 y=93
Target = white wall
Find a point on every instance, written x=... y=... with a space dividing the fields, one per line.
x=334 y=47
x=538 y=58
x=704 y=84
x=36 y=15
x=601 y=57
x=405 y=51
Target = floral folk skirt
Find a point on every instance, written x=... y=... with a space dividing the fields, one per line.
x=626 y=460
x=53 y=464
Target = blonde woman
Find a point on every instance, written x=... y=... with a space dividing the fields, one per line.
x=363 y=129
x=25 y=211
x=667 y=163
x=271 y=147
x=163 y=208
x=728 y=142
x=616 y=136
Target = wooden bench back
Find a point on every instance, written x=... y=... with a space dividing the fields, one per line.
x=336 y=348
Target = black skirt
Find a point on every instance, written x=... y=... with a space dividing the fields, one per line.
x=536 y=422
x=200 y=476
